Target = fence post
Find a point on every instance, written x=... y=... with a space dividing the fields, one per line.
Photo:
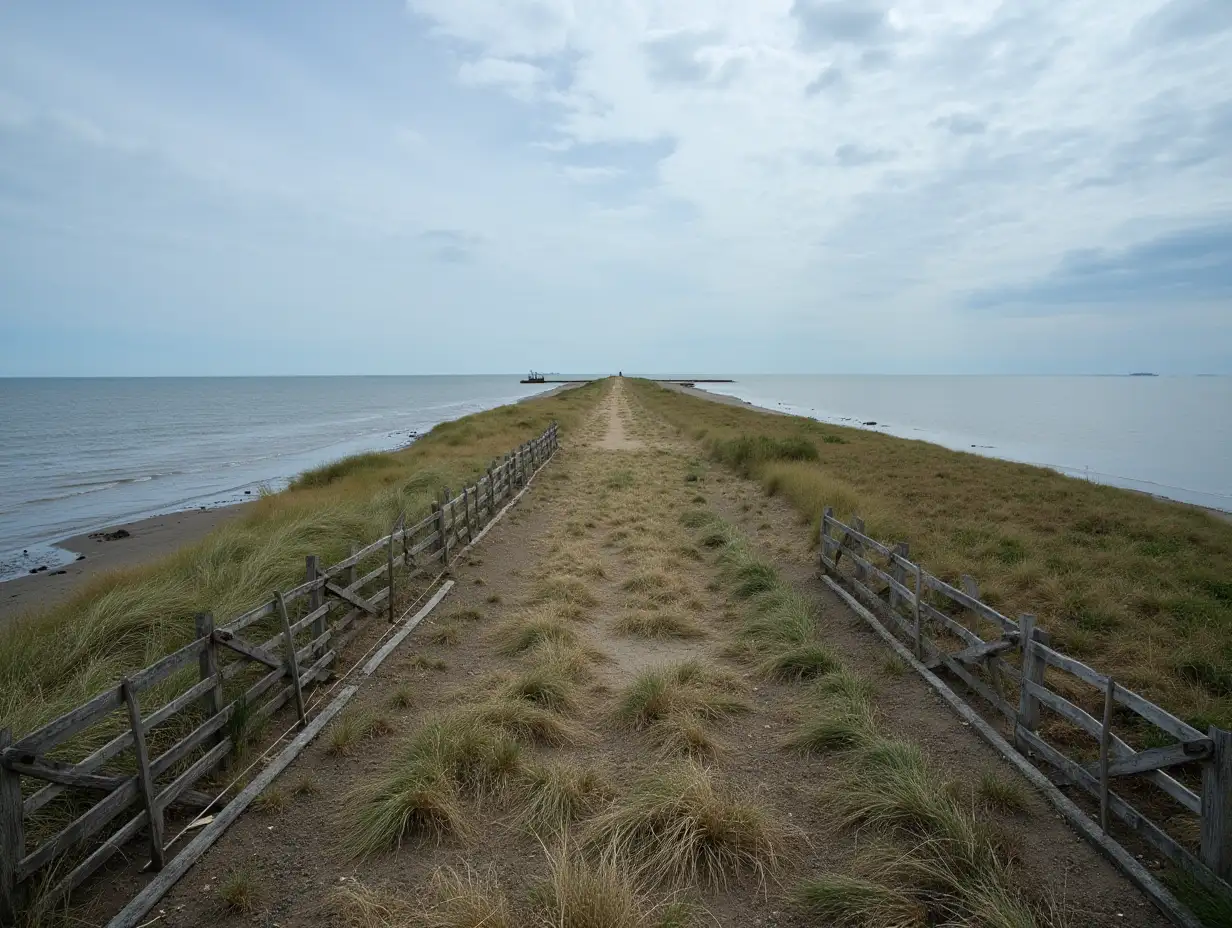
x=1033 y=667
x=157 y=855
x=316 y=597
x=1105 y=753
x=389 y=560
x=207 y=666
x=352 y=572
x=297 y=692
x=858 y=524
x=491 y=495
x=12 y=838
x=915 y=612
x=439 y=511
x=826 y=515
x=466 y=507
x=1217 y=805
x=899 y=573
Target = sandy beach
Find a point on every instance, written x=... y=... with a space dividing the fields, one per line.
x=147 y=540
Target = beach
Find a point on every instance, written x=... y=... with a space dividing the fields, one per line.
x=146 y=540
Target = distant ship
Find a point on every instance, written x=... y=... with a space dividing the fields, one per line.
x=533 y=377
x=1143 y=374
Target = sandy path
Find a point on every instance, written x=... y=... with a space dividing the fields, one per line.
x=615 y=410
x=598 y=539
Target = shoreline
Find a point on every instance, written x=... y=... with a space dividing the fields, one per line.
x=146 y=540
x=729 y=400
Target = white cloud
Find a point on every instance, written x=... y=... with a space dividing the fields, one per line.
x=518 y=78
x=587 y=175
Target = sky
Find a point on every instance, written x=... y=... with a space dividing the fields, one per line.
x=687 y=187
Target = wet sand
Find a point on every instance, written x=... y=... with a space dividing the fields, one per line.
x=148 y=540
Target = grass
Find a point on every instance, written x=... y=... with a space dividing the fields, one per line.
x=547 y=684
x=929 y=850
x=532 y=629
x=450 y=756
x=1003 y=795
x=680 y=825
x=659 y=625
x=687 y=688
x=427 y=662
x=846 y=901
x=598 y=892
x=803 y=662
x=1134 y=584
x=238 y=892
x=272 y=801
x=556 y=795
x=469 y=899
x=55 y=660
x=352 y=728
x=446 y=633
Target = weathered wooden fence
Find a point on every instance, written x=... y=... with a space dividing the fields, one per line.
x=296 y=634
x=1010 y=668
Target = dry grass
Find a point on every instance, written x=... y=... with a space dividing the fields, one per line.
x=360 y=906
x=1136 y=585
x=450 y=756
x=687 y=688
x=532 y=629
x=597 y=892
x=555 y=795
x=678 y=824
x=238 y=892
x=352 y=728
x=467 y=899
x=659 y=625
x=1003 y=795
x=932 y=851
x=272 y=801
x=546 y=684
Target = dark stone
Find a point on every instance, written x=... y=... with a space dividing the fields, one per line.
x=39 y=570
x=248 y=492
x=870 y=423
x=56 y=573
x=81 y=557
x=110 y=536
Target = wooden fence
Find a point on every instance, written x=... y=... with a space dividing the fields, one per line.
x=1008 y=667
x=239 y=670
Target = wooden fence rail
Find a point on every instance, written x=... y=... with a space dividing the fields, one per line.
x=299 y=634
x=1010 y=669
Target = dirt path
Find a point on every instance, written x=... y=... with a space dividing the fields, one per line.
x=591 y=587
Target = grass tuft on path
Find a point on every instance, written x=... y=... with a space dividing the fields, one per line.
x=681 y=825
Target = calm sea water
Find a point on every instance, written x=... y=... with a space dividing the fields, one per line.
x=1171 y=436
x=81 y=454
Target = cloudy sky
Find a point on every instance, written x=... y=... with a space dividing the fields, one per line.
x=697 y=185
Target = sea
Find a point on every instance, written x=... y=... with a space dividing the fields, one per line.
x=77 y=455
x=1167 y=436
